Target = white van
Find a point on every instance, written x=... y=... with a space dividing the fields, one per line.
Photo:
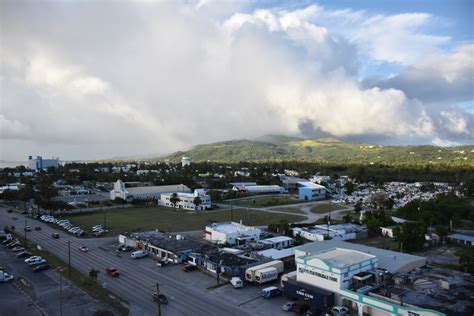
x=138 y=254
x=236 y=282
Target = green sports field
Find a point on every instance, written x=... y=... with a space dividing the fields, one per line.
x=166 y=219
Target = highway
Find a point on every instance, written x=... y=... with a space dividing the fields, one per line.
x=137 y=281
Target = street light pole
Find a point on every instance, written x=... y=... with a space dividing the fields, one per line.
x=26 y=240
x=158 y=298
x=69 y=258
x=60 y=294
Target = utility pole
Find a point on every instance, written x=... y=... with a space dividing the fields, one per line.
x=158 y=298
x=69 y=258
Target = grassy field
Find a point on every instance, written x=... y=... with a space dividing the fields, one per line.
x=264 y=201
x=324 y=208
x=165 y=219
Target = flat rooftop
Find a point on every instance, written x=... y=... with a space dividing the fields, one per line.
x=276 y=239
x=159 y=189
x=462 y=237
x=340 y=258
x=307 y=184
x=230 y=227
x=390 y=260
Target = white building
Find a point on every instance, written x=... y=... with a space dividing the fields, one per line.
x=354 y=273
x=336 y=232
x=279 y=242
x=185 y=161
x=259 y=189
x=309 y=191
x=320 y=179
x=39 y=163
x=186 y=200
x=231 y=233
x=145 y=192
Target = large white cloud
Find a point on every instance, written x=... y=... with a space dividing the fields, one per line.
x=156 y=77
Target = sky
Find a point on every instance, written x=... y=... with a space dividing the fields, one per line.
x=102 y=79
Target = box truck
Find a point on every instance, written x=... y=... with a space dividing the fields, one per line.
x=250 y=272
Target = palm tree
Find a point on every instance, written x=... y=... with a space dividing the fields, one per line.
x=174 y=199
x=197 y=201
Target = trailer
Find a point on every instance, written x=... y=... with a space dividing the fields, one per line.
x=318 y=299
x=265 y=275
x=250 y=272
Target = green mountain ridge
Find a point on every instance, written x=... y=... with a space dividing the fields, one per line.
x=324 y=150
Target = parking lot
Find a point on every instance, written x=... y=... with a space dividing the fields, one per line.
x=33 y=293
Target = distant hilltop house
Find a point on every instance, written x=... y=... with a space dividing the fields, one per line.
x=187 y=201
x=145 y=192
x=39 y=163
x=185 y=161
x=310 y=191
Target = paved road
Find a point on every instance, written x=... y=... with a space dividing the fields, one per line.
x=305 y=210
x=136 y=282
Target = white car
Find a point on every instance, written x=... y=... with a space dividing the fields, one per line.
x=96 y=229
x=138 y=254
x=97 y=226
x=6 y=277
x=33 y=258
x=36 y=262
x=73 y=229
x=339 y=310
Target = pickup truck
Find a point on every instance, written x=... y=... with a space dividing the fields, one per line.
x=112 y=272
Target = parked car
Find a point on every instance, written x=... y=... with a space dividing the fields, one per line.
x=41 y=267
x=36 y=262
x=82 y=233
x=236 y=282
x=37 y=227
x=27 y=228
x=5 y=277
x=83 y=248
x=55 y=235
x=125 y=248
x=9 y=210
x=189 y=267
x=340 y=310
x=289 y=306
x=24 y=254
x=138 y=254
x=112 y=272
x=18 y=249
x=32 y=258
x=300 y=308
x=13 y=244
x=163 y=299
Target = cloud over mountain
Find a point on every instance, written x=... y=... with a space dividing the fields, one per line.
x=156 y=77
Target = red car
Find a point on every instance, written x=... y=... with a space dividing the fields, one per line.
x=112 y=272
